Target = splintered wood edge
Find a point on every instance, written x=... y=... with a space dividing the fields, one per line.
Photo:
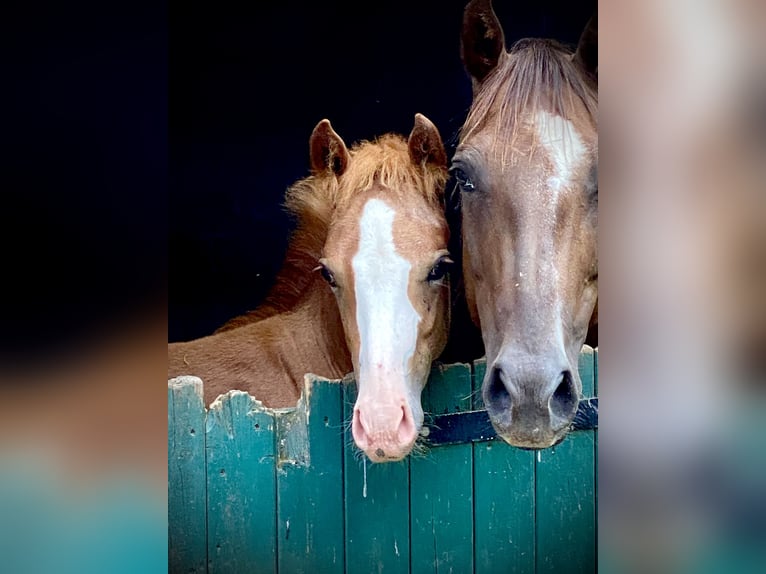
x=184 y=381
x=444 y=367
x=309 y=380
x=293 y=436
x=255 y=404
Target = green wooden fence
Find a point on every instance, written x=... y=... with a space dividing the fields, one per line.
x=254 y=490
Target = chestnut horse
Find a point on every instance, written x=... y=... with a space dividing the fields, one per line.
x=364 y=287
x=526 y=167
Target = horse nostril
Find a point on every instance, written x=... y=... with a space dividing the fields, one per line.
x=358 y=431
x=563 y=402
x=498 y=398
x=406 y=431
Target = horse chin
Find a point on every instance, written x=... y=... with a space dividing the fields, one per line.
x=389 y=448
x=525 y=442
x=388 y=454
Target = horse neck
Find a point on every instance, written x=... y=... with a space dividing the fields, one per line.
x=315 y=332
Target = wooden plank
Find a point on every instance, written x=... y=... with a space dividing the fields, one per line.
x=595 y=372
x=566 y=496
x=241 y=486
x=187 y=489
x=377 y=509
x=504 y=502
x=310 y=488
x=441 y=511
x=595 y=457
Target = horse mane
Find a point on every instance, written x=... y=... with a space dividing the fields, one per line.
x=314 y=200
x=538 y=75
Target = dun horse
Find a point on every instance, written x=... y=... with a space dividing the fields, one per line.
x=526 y=166
x=363 y=287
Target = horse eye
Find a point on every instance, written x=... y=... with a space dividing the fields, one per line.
x=327 y=276
x=439 y=269
x=463 y=180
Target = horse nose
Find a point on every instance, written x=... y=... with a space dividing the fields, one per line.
x=527 y=404
x=384 y=433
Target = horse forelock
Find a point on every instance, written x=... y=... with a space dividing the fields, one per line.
x=382 y=163
x=387 y=162
x=536 y=75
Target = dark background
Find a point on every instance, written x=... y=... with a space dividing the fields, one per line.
x=83 y=173
x=248 y=83
x=145 y=148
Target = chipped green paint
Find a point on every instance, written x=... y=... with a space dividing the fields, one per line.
x=310 y=484
x=285 y=490
x=441 y=493
x=241 y=486
x=187 y=543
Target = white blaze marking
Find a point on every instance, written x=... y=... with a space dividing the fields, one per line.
x=385 y=317
x=564 y=145
x=567 y=152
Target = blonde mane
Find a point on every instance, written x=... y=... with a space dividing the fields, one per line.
x=314 y=200
x=537 y=74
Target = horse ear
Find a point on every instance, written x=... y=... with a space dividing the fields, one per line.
x=425 y=144
x=586 y=55
x=328 y=152
x=482 y=40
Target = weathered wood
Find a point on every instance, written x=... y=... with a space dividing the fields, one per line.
x=187 y=488
x=310 y=484
x=504 y=499
x=595 y=372
x=241 y=486
x=565 y=496
x=245 y=472
x=377 y=507
x=586 y=367
x=441 y=484
x=595 y=461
